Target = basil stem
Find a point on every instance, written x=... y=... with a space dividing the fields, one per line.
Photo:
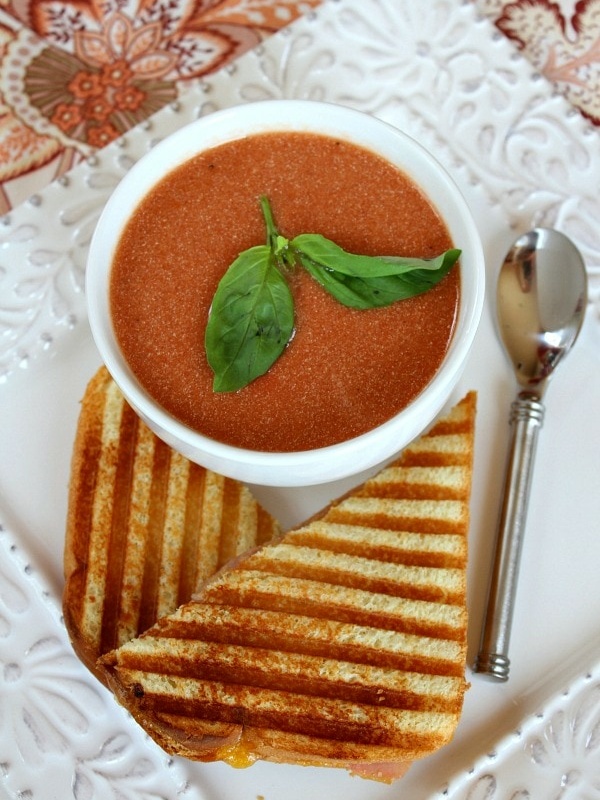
x=251 y=320
x=278 y=244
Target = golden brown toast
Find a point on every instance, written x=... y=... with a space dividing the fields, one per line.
x=343 y=643
x=145 y=527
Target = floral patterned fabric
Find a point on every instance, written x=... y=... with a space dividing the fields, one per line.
x=561 y=39
x=76 y=74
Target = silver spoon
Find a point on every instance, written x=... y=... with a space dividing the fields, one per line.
x=541 y=301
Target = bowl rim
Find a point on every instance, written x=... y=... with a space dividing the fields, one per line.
x=292 y=468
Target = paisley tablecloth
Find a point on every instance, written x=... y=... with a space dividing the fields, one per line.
x=76 y=74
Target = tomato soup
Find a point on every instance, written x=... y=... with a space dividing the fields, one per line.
x=344 y=371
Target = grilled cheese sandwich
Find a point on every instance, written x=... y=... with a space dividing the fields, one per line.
x=145 y=527
x=342 y=643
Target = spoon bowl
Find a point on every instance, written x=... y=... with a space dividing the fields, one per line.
x=541 y=301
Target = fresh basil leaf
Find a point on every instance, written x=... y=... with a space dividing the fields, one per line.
x=327 y=254
x=250 y=322
x=383 y=290
x=252 y=314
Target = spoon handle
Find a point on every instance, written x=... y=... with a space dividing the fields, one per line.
x=526 y=418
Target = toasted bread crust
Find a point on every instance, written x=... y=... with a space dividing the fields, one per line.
x=145 y=526
x=341 y=643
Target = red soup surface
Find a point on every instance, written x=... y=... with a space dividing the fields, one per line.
x=345 y=371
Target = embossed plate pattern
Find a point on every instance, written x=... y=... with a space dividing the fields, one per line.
x=522 y=157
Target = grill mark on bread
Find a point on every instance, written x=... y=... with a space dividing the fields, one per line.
x=101 y=519
x=117 y=541
x=156 y=521
x=136 y=535
x=267 y=528
x=383 y=643
x=442 y=482
x=442 y=446
x=173 y=534
x=338 y=568
x=247 y=520
x=393 y=547
x=308 y=598
x=189 y=549
x=230 y=522
x=421 y=516
x=86 y=461
x=330 y=717
x=315 y=674
x=210 y=529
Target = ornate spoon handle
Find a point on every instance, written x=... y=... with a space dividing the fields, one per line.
x=526 y=419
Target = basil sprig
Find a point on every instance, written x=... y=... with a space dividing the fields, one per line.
x=251 y=319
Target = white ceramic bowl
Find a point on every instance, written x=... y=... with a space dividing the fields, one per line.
x=336 y=461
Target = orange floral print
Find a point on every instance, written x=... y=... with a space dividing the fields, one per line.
x=116 y=74
x=97 y=109
x=67 y=116
x=129 y=98
x=101 y=135
x=134 y=55
x=85 y=84
x=121 y=46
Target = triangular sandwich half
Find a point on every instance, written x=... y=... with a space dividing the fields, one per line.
x=341 y=644
x=145 y=526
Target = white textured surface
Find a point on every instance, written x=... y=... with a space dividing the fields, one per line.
x=522 y=158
